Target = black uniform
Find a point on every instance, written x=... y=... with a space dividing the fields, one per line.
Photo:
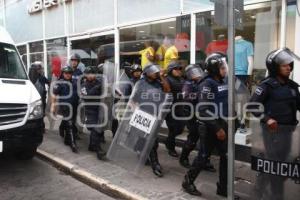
x=175 y=126
x=76 y=77
x=67 y=96
x=281 y=102
x=92 y=89
x=190 y=91
x=211 y=91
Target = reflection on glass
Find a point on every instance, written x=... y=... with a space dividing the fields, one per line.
x=56 y=57
x=158 y=43
x=10 y=63
x=94 y=51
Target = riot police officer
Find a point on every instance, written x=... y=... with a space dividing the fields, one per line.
x=212 y=90
x=90 y=90
x=194 y=74
x=152 y=75
x=134 y=73
x=281 y=100
x=175 y=126
x=66 y=93
x=75 y=62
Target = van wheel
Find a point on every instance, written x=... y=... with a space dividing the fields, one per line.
x=26 y=153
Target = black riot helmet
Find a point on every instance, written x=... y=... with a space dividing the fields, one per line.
x=283 y=56
x=173 y=65
x=34 y=71
x=194 y=71
x=214 y=62
x=151 y=69
x=67 y=69
x=91 y=70
x=75 y=56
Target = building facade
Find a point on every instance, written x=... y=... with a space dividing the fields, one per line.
x=50 y=30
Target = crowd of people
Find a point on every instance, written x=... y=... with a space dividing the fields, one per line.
x=199 y=85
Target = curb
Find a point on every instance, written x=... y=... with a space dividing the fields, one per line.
x=88 y=178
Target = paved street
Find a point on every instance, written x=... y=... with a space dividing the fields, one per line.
x=38 y=180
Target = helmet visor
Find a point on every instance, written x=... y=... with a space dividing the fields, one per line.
x=285 y=56
x=152 y=69
x=194 y=72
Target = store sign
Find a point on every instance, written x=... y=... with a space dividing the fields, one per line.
x=39 y=5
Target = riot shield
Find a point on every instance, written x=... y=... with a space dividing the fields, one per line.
x=138 y=130
x=108 y=98
x=123 y=90
x=123 y=82
x=275 y=162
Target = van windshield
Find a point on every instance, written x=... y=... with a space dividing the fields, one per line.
x=10 y=63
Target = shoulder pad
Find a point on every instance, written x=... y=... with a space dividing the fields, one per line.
x=293 y=84
x=271 y=82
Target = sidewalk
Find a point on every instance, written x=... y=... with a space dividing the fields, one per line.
x=147 y=184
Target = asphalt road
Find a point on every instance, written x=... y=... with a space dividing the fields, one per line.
x=36 y=179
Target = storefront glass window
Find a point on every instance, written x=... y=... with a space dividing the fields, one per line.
x=147 y=9
x=56 y=56
x=36 y=52
x=161 y=39
x=23 y=53
x=260 y=31
x=94 y=51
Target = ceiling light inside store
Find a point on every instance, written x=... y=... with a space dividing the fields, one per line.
x=253 y=17
x=142 y=31
x=171 y=27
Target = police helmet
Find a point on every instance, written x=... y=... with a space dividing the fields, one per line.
x=37 y=65
x=213 y=63
x=173 y=65
x=91 y=70
x=194 y=71
x=75 y=56
x=151 y=69
x=136 y=67
x=67 y=69
x=279 y=57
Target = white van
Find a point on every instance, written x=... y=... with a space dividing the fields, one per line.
x=21 y=112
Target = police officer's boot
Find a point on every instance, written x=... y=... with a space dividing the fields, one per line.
x=155 y=165
x=171 y=148
x=184 y=157
x=100 y=153
x=188 y=182
x=73 y=142
x=62 y=128
x=67 y=137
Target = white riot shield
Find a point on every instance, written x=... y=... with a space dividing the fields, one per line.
x=138 y=130
x=275 y=162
